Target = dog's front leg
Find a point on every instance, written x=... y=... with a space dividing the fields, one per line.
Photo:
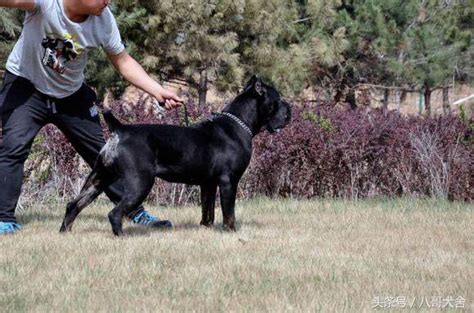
x=208 y=202
x=228 y=191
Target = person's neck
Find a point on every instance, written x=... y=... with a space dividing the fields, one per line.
x=72 y=10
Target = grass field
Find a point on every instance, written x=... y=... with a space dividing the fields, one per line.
x=322 y=255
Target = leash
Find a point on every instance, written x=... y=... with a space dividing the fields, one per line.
x=158 y=106
x=162 y=110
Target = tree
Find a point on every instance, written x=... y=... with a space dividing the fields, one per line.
x=211 y=42
x=99 y=71
x=349 y=41
x=436 y=45
x=406 y=43
x=326 y=43
x=10 y=27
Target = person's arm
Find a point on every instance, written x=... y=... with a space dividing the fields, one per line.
x=27 y=5
x=136 y=75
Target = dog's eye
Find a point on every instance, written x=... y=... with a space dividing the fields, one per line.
x=272 y=108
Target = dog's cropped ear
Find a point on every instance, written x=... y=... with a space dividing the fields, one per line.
x=251 y=82
x=259 y=88
x=256 y=84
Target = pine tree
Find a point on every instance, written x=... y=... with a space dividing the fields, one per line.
x=216 y=42
x=326 y=38
x=412 y=44
x=10 y=28
x=99 y=71
x=437 y=43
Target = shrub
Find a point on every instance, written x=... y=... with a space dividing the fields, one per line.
x=336 y=152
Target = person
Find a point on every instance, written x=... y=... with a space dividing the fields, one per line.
x=44 y=83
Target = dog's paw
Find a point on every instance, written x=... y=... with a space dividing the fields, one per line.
x=65 y=229
x=229 y=228
x=206 y=223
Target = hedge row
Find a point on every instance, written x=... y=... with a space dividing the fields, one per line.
x=324 y=152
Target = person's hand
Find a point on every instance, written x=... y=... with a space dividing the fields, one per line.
x=168 y=98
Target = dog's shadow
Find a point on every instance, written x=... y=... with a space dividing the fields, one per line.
x=187 y=226
x=191 y=226
x=131 y=230
x=219 y=228
x=47 y=217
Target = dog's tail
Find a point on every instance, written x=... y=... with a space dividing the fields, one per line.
x=113 y=123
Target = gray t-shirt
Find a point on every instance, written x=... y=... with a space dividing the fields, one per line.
x=52 y=50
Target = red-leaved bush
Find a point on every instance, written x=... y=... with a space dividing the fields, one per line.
x=324 y=152
x=336 y=152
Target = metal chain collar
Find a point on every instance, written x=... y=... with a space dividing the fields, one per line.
x=237 y=120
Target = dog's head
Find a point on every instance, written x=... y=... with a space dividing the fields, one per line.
x=273 y=112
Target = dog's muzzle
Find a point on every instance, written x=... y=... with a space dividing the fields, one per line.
x=280 y=118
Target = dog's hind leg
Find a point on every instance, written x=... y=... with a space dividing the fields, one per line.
x=208 y=202
x=92 y=188
x=137 y=189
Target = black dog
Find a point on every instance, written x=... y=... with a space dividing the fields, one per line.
x=212 y=153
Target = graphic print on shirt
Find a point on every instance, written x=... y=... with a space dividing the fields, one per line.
x=58 y=50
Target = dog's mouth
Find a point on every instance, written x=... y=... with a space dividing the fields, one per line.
x=273 y=130
x=273 y=127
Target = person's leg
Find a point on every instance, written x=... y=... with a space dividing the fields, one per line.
x=80 y=123
x=22 y=116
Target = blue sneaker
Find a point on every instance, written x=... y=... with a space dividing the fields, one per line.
x=9 y=228
x=146 y=219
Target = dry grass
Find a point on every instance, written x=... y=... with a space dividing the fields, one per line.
x=328 y=256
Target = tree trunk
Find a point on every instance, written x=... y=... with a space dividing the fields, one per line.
x=446 y=107
x=386 y=94
x=403 y=95
x=338 y=95
x=398 y=100
x=351 y=99
x=427 y=95
x=202 y=90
